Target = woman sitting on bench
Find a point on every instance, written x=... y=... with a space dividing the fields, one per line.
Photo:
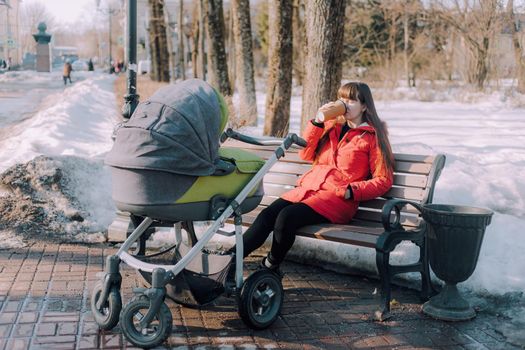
x=352 y=162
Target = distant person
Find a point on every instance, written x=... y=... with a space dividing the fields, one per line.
x=8 y=67
x=120 y=65
x=91 y=68
x=3 y=64
x=66 y=73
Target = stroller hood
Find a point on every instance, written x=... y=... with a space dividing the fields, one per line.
x=176 y=130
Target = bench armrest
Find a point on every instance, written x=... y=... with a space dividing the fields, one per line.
x=394 y=232
x=291 y=139
x=396 y=205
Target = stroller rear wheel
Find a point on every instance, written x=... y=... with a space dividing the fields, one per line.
x=156 y=332
x=108 y=315
x=261 y=299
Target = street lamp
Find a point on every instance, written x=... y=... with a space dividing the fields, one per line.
x=131 y=99
x=110 y=11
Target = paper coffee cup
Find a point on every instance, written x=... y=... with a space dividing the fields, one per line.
x=331 y=112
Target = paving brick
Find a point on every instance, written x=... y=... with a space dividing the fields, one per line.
x=18 y=344
x=55 y=339
x=321 y=310
x=23 y=330
x=4 y=330
x=44 y=329
x=88 y=342
x=28 y=317
x=8 y=317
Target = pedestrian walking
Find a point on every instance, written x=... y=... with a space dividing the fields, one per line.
x=66 y=74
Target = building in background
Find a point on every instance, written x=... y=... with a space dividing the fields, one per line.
x=10 y=31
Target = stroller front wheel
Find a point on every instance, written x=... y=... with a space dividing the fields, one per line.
x=108 y=315
x=155 y=333
x=261 y=299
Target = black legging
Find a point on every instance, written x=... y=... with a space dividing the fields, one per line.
x=283 y=218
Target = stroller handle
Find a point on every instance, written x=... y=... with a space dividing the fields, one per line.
x=263 y=141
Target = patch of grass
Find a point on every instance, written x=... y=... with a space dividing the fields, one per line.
x=145 y=88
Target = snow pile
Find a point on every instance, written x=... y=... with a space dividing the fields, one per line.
x=62 y=199
x=77 y=121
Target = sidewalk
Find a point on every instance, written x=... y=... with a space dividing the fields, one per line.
x=44 y=304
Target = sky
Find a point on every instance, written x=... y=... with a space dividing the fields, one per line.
x=68 y=12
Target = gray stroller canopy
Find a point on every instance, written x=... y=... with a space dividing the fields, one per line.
x=176 y=130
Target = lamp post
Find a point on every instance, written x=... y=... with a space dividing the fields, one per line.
x=131 y=99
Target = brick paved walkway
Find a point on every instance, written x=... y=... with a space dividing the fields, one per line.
x=44 y=304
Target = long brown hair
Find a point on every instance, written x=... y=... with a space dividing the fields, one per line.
x=358 y=91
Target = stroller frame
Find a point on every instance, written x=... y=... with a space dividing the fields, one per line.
x=106 y=300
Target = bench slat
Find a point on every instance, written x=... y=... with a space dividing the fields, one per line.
x=290 y=168
x=373 y=204
x=355 y=238
x=405 y=220
x=412 y=168
x=378 y=203
x=410 y=193
x=399 y=179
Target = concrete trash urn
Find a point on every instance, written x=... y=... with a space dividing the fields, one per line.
x=454 y=237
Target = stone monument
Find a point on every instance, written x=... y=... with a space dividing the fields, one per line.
x=43 y=59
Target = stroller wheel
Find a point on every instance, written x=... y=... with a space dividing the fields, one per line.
x=261 y=299
x=154 y=333
x=107 y=316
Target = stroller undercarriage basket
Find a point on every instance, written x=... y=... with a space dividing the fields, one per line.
x=200 y=282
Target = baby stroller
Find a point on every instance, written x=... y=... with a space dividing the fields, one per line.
x=168 y=170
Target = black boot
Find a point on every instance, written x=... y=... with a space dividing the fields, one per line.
x=266 y=263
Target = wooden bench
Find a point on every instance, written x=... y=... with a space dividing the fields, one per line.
x=381 y=223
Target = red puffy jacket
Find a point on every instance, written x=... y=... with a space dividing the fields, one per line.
x=354 y=161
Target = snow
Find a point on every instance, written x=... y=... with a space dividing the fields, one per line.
x=482 y=136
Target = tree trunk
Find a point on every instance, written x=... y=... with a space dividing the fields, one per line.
x=324 y=45
x=298 y=43
x=160 y=67
x=405 y=47
x=202 y=41
x=280 y=51
x=195 y=37
x=518 y=48
x=173 y=62
x=218 y=66
x=242 y=34
x=182 y=54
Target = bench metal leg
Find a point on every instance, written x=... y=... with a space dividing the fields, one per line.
x=383 y=265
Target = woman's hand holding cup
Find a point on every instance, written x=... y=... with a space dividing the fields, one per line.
x=330 y=110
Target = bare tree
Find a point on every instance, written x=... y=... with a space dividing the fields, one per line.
x=160 y=68
x=242 y=34
x=323 y=61
x=33 y=13
x=477 y=22
x=279 y=87
x=519 y=52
